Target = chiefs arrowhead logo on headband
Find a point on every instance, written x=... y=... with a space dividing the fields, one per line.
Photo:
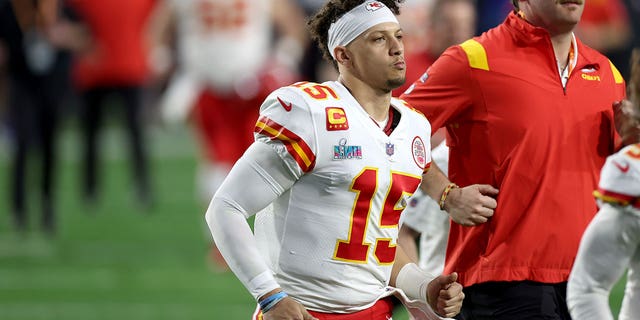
x=374 y=5
x=356 y=21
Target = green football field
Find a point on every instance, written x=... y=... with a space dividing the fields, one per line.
x=116 y=260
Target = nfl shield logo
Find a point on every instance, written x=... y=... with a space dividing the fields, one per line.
x=390 y=149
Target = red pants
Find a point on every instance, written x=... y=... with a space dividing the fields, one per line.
x=382 y=310
x=225 y=123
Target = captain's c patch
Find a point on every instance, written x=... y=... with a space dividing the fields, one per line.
x=336 y=119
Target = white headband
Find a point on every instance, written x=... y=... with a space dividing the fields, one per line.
x=355 y=22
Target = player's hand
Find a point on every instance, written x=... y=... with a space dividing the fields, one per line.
x=471 y=205
x=288 y=309
x=627 y=121
x=445 y=295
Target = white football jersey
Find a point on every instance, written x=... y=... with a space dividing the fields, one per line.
x=222 y=42
x=331 y=238
x=610 y=244
x=620 y=177
x=620 y=183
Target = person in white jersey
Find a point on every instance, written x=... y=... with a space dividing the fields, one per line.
x=227 y=60
x=611 y=243
x=226 y=64
x=337 y=162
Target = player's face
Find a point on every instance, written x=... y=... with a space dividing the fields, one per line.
x=378 y=56
x=557 y=16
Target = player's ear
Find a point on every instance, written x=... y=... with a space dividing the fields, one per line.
x=342 y=55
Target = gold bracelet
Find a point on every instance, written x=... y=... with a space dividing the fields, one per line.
x=445 y=193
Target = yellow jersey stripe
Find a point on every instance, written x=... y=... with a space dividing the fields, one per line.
x=276 y=134
x=616 y=74
x=476 y=54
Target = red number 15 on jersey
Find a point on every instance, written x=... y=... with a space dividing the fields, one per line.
x=365 y=185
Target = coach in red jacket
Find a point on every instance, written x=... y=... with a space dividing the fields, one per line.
x=528 y=110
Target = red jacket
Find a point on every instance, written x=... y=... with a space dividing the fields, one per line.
x=118 y=56
x=511 y=124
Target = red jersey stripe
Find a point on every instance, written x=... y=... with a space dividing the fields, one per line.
x=295 y=145
x=427 y=167
x=613 y=197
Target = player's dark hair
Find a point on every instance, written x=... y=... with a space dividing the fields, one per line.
x=515 y=4
x=329 y=13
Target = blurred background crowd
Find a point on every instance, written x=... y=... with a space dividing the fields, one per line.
x=207 y=64
x=80 y=70
x=203 y=63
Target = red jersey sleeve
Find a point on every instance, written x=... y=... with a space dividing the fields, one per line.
x=444 y=91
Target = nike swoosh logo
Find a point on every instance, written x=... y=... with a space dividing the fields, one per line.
x=622 y=168
x=287 y=107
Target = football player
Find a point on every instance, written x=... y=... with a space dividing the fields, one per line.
x=611 y=243
x=337 y=162
x=226 y=65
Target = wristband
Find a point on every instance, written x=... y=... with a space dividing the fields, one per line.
x=414 y=281
x=445 y=193
x=271 y=301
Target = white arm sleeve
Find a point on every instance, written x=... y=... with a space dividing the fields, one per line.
x=605 y=251
x=630 y=307
x=256 y=180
